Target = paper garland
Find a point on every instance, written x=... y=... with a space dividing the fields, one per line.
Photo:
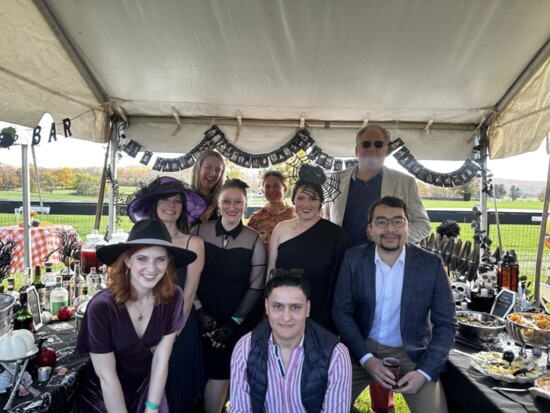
x=214 y=138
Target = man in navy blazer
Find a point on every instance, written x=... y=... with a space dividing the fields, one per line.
x=394 y=299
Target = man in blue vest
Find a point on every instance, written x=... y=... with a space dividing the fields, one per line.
x=289 y=363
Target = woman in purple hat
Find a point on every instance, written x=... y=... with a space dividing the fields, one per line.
x=129 y=328
x=167 y=199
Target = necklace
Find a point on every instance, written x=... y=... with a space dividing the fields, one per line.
x=140 y=317
x=176 y=233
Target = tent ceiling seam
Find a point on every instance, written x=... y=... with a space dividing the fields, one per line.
x=540 y=58
x=47 y=89
x=82 y=68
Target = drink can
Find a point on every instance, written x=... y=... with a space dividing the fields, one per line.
x=44 y=373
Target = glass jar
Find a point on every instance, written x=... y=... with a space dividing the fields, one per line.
x=88 y=258
x=118 y=236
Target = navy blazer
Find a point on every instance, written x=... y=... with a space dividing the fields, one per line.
x=428 y=317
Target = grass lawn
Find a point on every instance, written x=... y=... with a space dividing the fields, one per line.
x=502 y=204
x=62 y=195
x=363 y=403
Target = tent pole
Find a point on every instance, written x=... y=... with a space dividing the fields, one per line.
x=112 y=209
x=483 y=223
x=543 y=222
x=101 y=195
x=37 y=177
x=27 y=250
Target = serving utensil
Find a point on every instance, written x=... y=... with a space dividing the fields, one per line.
x=509 y=389
x=525 y=369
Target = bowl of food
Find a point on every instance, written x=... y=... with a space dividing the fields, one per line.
x=529 y=328
x=479 y=325
x=542 y=387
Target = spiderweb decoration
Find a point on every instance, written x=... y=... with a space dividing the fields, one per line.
x=303 y=171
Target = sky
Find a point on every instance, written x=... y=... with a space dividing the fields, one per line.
x=70 y=152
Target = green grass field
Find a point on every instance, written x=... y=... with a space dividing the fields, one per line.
x=61 y=195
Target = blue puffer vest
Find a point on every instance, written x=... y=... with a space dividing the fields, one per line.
x=319 y=344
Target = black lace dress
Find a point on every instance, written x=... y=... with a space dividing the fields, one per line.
x=232 y=284
x=185 y=383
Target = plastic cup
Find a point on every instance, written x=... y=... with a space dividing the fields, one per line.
x=393 y=365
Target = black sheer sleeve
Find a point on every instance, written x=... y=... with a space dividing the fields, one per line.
x=256 y=281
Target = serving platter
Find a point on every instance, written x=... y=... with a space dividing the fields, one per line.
x=491 y=364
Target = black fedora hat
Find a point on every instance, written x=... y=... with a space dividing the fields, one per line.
x=140 y=207
x=147 y=233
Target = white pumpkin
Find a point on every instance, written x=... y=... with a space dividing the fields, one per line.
x=15 y=344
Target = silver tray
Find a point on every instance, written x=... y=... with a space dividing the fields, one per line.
x=486 y=370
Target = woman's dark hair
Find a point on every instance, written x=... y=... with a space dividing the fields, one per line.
x=308 y=187
x=448 y=228
x=281 y=277
x=182 y=223
x=392 y=202
x=276 y=174
x=235 y=183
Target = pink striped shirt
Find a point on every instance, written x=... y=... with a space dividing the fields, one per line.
x=283 y=389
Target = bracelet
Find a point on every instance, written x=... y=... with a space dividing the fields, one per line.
x=237 y=319
x=152 y=405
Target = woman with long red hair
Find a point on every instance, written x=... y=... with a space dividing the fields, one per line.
x=129 y=328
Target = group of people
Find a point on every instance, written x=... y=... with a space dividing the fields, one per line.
x=183 y=319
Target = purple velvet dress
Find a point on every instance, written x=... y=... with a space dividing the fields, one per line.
x=108 y=328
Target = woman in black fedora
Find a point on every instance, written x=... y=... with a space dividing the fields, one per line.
x=169 y=200
x=130 y=327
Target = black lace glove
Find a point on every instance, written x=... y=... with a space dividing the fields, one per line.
x=224 y=333
x=207 y=323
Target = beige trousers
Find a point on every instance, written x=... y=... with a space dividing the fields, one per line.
x=430 y=398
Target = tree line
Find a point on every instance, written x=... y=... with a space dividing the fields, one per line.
x=86 y=181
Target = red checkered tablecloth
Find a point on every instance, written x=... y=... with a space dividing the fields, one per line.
x=43 y=241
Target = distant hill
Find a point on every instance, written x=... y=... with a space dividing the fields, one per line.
x=528 y=188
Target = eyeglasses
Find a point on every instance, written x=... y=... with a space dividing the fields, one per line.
x=377 y=144
x=397 y=222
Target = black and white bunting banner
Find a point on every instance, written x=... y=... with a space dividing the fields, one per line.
x=214 y=138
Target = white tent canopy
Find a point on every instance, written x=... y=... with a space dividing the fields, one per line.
x=449 y=64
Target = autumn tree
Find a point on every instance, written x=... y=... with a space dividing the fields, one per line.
x=86 y=184
x=10 y=178
x=48 y=181
x=65 y=177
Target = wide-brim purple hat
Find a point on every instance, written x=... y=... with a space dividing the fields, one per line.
x=140 y=207
x=147 y=233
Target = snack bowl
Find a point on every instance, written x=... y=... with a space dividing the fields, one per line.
x=522 y=328
x=542 y=387
x=483 y=326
